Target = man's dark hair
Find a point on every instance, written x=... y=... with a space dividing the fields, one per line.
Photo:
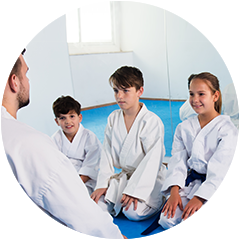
x=64 y=104
x=126 y=77
x=10 y=62
x=235 y=64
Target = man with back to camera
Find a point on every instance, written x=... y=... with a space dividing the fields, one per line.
x=45 y=174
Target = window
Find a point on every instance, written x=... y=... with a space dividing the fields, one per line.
x=93 y=29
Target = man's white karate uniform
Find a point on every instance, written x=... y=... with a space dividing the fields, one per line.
x=50 y=180
x=208 y=151
x=231 y=102
x=232 y=203
x=84 y=152
x=186 y=111
x=139 y=154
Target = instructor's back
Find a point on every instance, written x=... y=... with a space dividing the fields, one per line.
x=45 y=174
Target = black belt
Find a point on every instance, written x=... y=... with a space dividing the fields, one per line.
x=193 y=175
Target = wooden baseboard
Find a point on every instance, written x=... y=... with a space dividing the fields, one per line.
x=99 y=106
x=164 y=99
x=113 y=103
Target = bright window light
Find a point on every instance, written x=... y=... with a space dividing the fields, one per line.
x=94 y=28
x=90 y=24
x=95 y=22
x=72 y=24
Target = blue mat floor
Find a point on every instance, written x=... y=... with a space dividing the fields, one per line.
x=133 y=229
x=96 y=120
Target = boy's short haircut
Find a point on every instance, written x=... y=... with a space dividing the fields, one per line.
x=64 y=104
x=235 y=64
x=126 y=77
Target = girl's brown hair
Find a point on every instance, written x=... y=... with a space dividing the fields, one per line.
x=213 y=84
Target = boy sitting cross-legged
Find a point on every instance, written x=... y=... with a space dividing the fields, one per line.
x=80 y=145
x=134 y=142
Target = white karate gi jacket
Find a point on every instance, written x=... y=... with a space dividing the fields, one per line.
x=138 y=153
x=50 y=180
x=231 y=102
x=208 y=151
x=84 y=152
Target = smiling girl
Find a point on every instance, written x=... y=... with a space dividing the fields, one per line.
x=202 y=152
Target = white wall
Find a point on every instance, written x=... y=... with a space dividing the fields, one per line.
x=49 y=74
x=53 y=73
x=142 y=30
x=90 y=75
x=189 y=51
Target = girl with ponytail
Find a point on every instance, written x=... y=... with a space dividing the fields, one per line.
x=202 y=152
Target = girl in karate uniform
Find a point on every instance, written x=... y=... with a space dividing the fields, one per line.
x=134 y=143
x=202 y=152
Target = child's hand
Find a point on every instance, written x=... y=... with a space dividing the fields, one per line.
x=127 y=201
x=235 y=217
x=98 y=193
x=172 y=203
x=193 y=205
x=84 y=178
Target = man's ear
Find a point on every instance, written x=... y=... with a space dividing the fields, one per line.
x=13 y=83
x=56 y=121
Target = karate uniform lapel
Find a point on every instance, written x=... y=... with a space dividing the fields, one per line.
x=131 y=136
x=69 y=148
x=198 y=148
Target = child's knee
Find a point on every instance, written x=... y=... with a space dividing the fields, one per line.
x=167 y=223
x=101 y=203
x=105 y=206
x=132 y=215
x=142 y=212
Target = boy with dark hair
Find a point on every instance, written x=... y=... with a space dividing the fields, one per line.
x=134 y=142
x=80 y=145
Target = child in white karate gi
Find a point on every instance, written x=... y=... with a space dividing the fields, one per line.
x=202 y=152
x=80 y=145
x=134 y=142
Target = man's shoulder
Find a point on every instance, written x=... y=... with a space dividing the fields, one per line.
x=14 y=130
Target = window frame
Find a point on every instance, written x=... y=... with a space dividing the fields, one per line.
x=79 y=48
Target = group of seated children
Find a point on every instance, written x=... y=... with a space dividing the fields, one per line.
x=202 y=151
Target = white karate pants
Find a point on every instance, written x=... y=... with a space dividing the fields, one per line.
x=194 y=227
x=143 y=210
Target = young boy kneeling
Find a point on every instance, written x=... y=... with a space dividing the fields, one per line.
x=80 y=145
x=134 y=142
